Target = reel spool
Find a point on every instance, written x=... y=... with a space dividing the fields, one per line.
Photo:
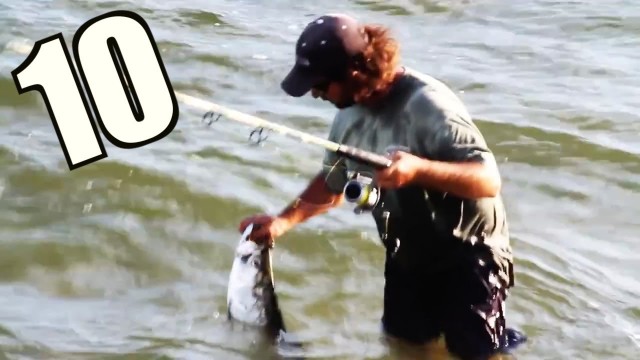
x=362 y=191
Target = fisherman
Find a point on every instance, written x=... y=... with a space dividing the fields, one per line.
x=449 y=263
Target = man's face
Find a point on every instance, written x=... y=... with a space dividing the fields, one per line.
x=334 y=92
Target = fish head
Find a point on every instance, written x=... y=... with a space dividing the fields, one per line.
x=251 y=256
x=250 y=288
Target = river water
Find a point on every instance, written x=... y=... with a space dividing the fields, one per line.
x=128 y=258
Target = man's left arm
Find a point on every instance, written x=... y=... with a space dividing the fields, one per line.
x=462 y=165
x=454 y=156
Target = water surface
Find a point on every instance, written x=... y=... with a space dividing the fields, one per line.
x=129 y=257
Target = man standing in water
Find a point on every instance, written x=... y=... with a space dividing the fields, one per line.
x=448 y=262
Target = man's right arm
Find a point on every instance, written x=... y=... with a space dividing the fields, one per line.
x=324 y=190
x=316 y=199
x=323 y=193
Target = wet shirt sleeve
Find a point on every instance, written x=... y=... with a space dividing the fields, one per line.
x=445 y=133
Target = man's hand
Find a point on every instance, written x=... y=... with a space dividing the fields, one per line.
x=402 y=171
x=266 y=228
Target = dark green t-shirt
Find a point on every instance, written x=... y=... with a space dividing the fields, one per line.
x=424 y=229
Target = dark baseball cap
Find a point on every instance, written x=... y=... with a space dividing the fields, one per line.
x=324 y=51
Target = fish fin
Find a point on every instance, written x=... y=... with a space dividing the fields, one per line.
x=513 y=339
x=273 y=280
x=229 y=316
x=246 y=233
x=286 y=343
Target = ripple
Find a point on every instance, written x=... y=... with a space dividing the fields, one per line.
x=552 y=148
x=195 y=18
x=9 y=96
x=385 y=7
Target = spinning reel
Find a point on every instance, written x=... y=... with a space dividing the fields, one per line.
x=362 y=191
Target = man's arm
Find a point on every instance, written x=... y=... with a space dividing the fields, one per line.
x=324 y=190
x=471 y=180
x=316 y=199
x=458 y=159
x=322 y=193
x=460 y=164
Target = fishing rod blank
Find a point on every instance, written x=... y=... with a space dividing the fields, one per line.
x=372 y=159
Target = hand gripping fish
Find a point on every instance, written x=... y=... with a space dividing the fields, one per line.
x=251 y=296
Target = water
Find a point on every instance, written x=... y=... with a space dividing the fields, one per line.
x=129 y=257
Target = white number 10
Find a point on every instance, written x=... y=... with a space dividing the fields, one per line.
x=127 y=86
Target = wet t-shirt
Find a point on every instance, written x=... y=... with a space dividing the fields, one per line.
x=423 y=229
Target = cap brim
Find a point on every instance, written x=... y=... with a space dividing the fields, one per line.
x=298 y=82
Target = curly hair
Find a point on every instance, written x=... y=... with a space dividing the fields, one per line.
x=375 y=69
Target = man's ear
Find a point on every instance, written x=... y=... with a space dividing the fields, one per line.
x=358 y=62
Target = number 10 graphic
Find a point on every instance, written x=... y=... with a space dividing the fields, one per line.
x=126 y=83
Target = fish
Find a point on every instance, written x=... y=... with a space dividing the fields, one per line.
x=251 y=295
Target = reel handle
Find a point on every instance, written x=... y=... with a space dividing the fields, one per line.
x=375 y=160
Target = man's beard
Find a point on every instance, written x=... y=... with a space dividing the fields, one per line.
x=349 y=100
x=345 y=102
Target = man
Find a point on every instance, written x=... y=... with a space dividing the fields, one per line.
x=448 y=261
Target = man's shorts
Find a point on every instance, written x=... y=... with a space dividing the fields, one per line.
x=465 y=304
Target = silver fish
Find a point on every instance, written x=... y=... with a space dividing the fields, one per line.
x=251 y=296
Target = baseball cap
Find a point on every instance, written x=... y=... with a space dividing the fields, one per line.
x=323 y=52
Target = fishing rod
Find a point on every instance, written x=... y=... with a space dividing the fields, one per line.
x=359 y=190
x=215 y=111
